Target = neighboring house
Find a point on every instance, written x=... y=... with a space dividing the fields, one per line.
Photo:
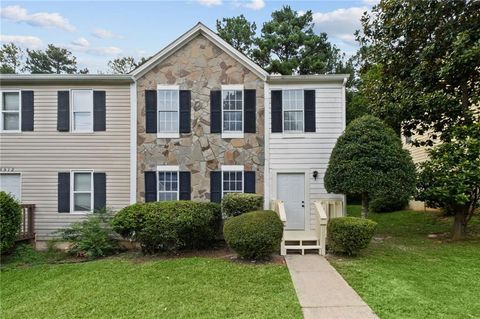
x=420 y=154
x=65 y=144
x=196 y=121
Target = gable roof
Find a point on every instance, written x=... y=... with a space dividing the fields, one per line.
x=199 y=28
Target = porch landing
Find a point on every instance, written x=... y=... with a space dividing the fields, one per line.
x=322 y=292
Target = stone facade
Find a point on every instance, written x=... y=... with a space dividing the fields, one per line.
x=199 y=66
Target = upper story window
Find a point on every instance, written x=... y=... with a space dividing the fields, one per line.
x=82 y=110
x=168 y=110
x=82 y=194
x=293 y=108
x=11 y=111
x=232 y=109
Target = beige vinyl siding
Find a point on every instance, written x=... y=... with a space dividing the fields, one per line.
x=310 y=151
x=41 y=154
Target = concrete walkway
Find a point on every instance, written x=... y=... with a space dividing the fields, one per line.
x=322 y=292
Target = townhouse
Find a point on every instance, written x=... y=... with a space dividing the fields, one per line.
x=196 y=121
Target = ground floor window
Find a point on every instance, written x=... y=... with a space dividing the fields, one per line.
x=232 y=179
x=167 y=186
x=82 y=194
x=11 y=183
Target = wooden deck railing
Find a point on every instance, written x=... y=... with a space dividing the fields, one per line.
x=27 y=230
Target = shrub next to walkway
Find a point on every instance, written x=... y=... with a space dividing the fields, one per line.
x=254 y=235
x=10 y=220
x=234 y=204
x=172 y=225
x=348 y=235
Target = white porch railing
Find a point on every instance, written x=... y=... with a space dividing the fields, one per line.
x=278 y=207
x=324 y=210
x=321 y=220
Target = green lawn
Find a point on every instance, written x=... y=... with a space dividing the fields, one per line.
x=159 y=288
x=404 y=274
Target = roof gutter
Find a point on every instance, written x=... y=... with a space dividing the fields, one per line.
x=65 y=78
x=306 y=79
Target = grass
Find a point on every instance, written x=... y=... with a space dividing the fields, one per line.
x=123 y=287
x=405 y=274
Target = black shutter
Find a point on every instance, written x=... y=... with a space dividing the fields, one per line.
x=185 y=191
x=185 y=107
x=249 y=182
x=27 y=110
x=63 y=192
x=63 y=111
x=277 y=125
x=309 y=110
x=150 y=111
x=99 y=111
x=150 y=186
x=216 y=111
x=215 y=187
x=249 y=124
x=99 y=190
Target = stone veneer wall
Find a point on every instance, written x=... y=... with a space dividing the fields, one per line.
x=199 y=66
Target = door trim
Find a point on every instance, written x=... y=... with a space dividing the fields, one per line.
x=273 y=188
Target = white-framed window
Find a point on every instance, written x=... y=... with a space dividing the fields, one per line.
x=168 y=183
x=82 y=110
x=168 y=105
x=11 y=183
x=11 y=115
x=232 y=179
x=293 y=108
x=232 y=110
x=81 y=200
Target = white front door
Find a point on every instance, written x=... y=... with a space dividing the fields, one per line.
x=291 y=190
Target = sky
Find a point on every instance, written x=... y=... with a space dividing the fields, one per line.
x=99 y=31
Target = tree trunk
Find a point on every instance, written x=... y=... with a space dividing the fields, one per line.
x=364 y=205
x=460 y=222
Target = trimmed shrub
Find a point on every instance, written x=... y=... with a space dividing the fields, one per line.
x=235 y=204
x=254 y=235
x=348 y=235
x=10 y=220
x=170 y=226
x=369 y=160
x=382 y=203
x=92 y=237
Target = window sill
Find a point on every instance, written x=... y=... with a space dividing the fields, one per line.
x=10 y=132
x=293 y=135
x=168 y=135
x=79 y=213
x=233 y=135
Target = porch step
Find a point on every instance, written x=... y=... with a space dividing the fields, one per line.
x=302 y=249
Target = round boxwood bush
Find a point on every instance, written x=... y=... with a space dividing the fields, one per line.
x=234 y=204
x=171 y=225
x=10 y=220
x=254 y=235
x=348 y=235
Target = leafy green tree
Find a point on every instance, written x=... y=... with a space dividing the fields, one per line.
x=52 y=60
x=422 y=64
x=238 y=32
x=368 y=159
x=11 y=57
x=451 y=176
x=125 y=65
x=122 y=65
x=288 y=44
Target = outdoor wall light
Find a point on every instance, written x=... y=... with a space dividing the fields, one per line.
x=315 y=175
